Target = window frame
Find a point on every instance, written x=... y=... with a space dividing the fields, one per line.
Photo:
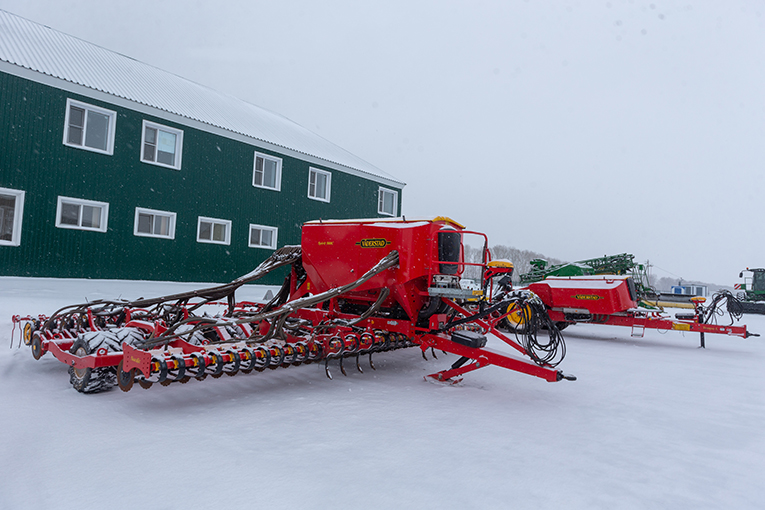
x=278 y=179
x=382 y=191
x=214 y=221
x=154 y=212
x=112 y=124
x=178 y=144
x=274 y=238
x=18 y=216
x=311 y=171
x=82 y=202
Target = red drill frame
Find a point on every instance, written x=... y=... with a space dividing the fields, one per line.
x=355 y=287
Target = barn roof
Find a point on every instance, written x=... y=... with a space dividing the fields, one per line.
x=40 y=49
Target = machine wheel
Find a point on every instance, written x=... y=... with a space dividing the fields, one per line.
x=435 y=305
x=93 y=380
x=516 y=320
x=37 y=351
x=130 y=336
x=125 y=380
x=195 y=338
x=26 y=333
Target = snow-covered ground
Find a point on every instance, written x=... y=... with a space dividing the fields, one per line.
x=652 y=422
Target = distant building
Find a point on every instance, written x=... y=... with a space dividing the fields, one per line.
x=686 y=289
x=111 y=168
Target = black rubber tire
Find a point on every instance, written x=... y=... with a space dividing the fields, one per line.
x=195 y=338
x=94 y=380
x=130 y=336
x=37 y=351
x=125 y=380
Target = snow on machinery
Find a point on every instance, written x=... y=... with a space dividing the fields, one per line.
x=354 y=287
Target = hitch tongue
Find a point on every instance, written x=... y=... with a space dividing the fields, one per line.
x=561 y=376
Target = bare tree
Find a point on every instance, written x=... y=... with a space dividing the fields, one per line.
x=520 y=258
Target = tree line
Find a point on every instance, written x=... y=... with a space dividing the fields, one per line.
x=521 y=261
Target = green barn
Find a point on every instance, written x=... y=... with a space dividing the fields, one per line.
x=111 y=168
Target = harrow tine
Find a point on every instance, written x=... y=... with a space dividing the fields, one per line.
x=424 y=356
x=433 y=352
x=342 y=368
x=326 y=368
x=358 y=367
x=370 y=362
x=13 y=331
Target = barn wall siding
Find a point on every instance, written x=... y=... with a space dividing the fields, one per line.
x=215 y=181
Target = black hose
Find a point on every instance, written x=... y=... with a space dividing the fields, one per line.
x=734 y=308
x=535 y=317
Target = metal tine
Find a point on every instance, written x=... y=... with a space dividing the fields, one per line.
x=433 y=352
x=342 y=368
x=326 y=368
x=370 y=361
x=424 y=356
x=357 y=362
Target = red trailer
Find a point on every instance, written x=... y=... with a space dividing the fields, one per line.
x=611 y=299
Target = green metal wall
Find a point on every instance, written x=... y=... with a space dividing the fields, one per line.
x=215 y=181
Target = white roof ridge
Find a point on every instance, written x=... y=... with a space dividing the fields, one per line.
x=42 y=49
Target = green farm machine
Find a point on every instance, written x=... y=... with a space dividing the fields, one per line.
x=622 y=264
x=751 y=293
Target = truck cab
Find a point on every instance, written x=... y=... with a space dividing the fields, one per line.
x=753 y=288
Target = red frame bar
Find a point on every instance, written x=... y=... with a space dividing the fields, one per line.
x=462 y=265
x=489 y=325
x=61 y=352
x=485 y=357
x=658 y=323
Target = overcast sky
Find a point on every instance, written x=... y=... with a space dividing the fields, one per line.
x=572 y=128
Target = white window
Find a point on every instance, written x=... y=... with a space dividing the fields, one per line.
x=11 y=212
x=161 y=145
x=319 y=184
x=387 y=201
x=89 y=127
x=151 y=223
x=82 y=214
x=212 y=230
x=262 y=236
x=267 y=172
